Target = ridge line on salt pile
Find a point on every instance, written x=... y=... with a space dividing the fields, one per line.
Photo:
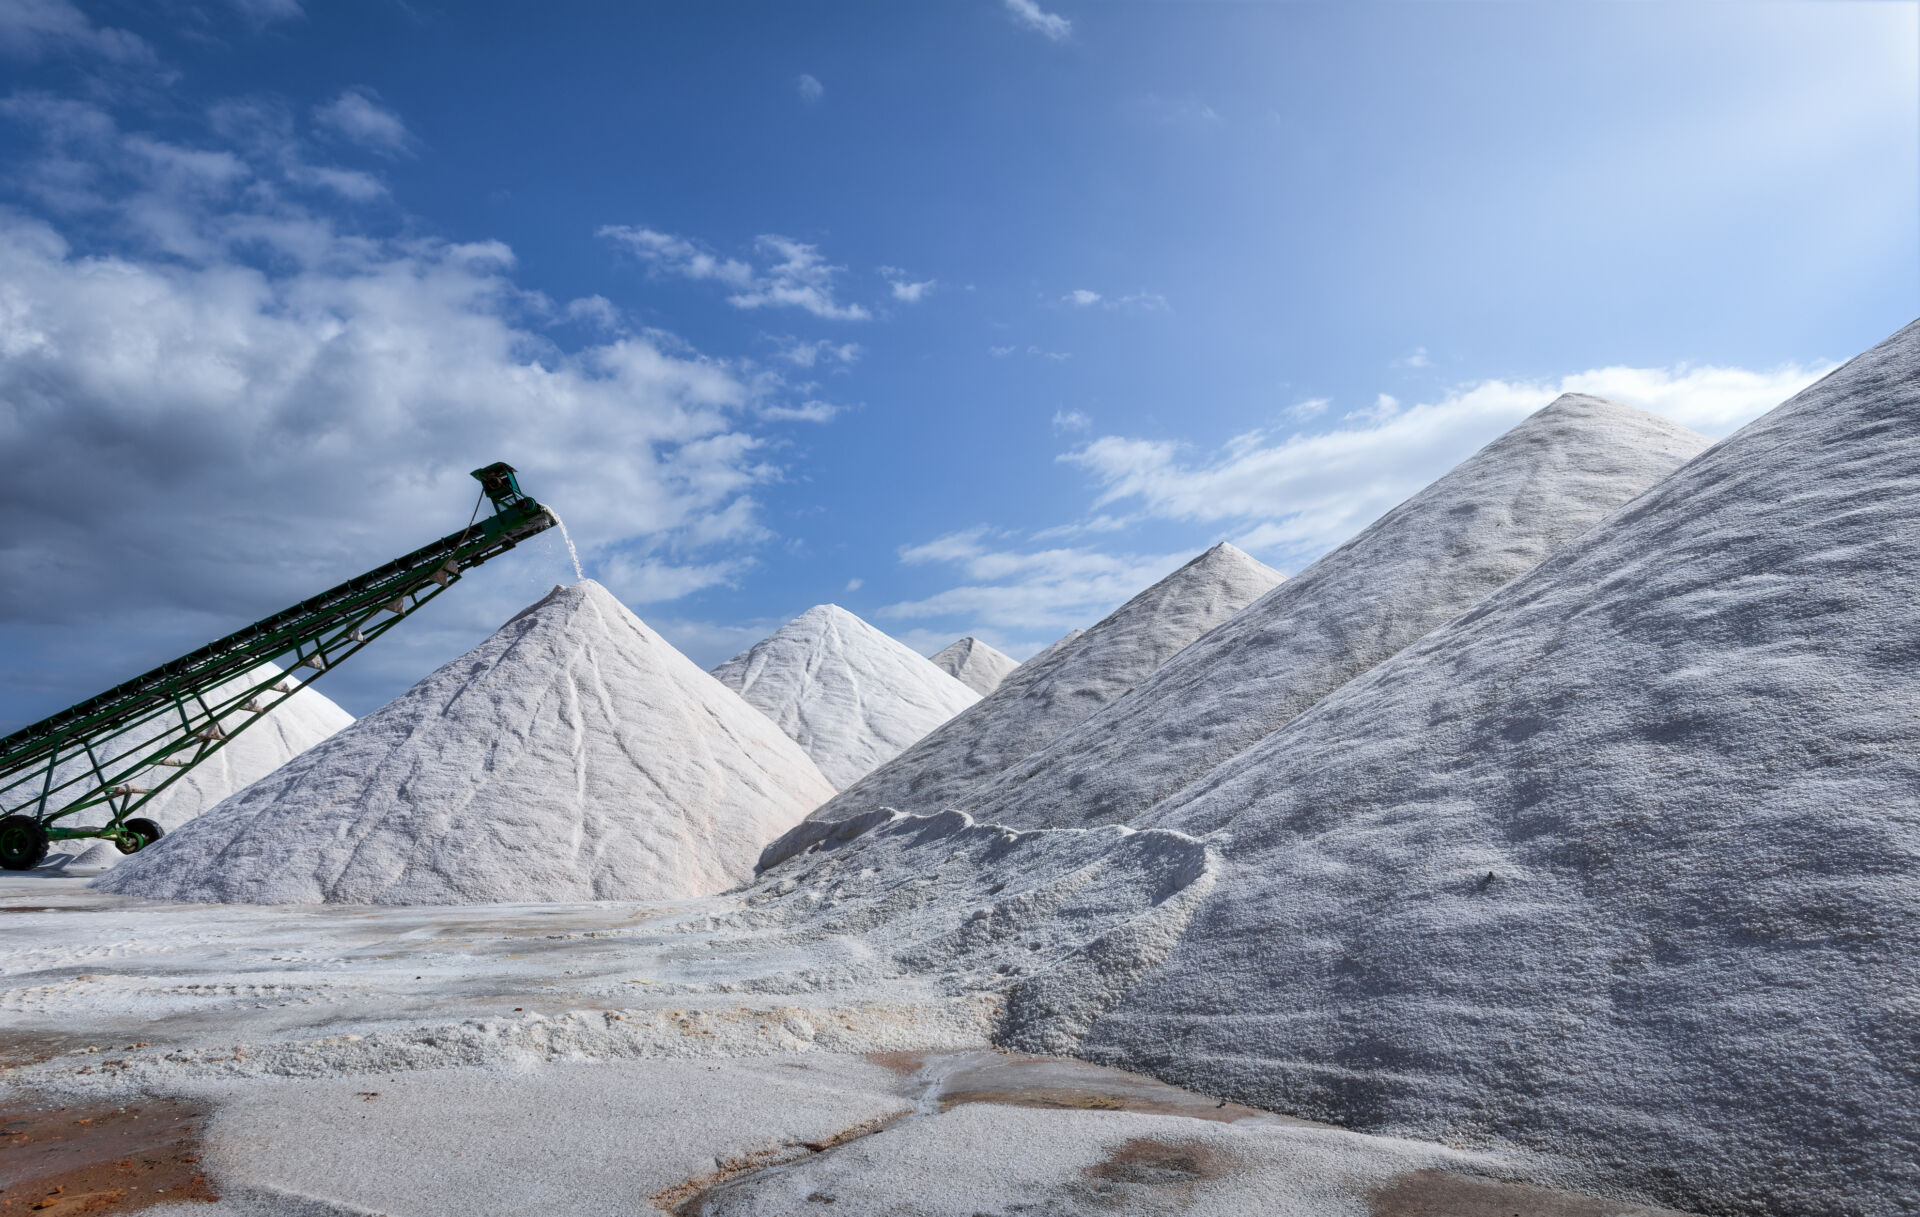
x=572 y=755
x=1497 y=514
x=1048 y=694
x=849 y=694
x=1621 y=864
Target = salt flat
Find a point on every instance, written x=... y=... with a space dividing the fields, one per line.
x=713 y=1056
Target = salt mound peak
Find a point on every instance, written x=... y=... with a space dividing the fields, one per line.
x=290 y=728
x=1494 y=516
x=573 y=755
x=847 y=693
x=1621 y=866
x=1050 y=693
x=975 y=664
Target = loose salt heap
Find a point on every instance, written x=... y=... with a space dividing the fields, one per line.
x=1622 y=865
x=1494 y=517
x=1056 y=689
x=847 y=693
x=975 y=664
x=287 y=730
x=574 y=755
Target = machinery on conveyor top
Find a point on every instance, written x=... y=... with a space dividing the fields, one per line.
x=112 y=753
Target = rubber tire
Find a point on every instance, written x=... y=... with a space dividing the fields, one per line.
x=23 y=843
x=147 y=830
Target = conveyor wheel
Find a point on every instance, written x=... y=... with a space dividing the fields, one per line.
x=145 y=832
x=23 y=842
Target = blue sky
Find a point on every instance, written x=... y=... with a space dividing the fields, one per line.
x=971 y=316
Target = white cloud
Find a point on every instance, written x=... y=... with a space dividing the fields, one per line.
x=1299 y=495
x=821 y=351
x=1001 y=352
x=350 y=184
x=357 y=115
x=679 y=256
x=307 y=403
x=1311 y=408
x=596 y=311
x=1048 y=590
x=652 y=580
x=1418 y=359
x=809 y=88
x=806 y=412
x=1384 y=407
x=1071 y=420
x=1029 y=15
x=855 y=584
x=796 y=276
x=800 y=279
x=904 y=288
x=710 y=643
x=1144 y=302
x=30 y=29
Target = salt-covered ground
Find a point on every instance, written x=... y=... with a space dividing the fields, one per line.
x=730 y=1055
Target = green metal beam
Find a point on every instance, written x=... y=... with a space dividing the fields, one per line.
x=118 y=750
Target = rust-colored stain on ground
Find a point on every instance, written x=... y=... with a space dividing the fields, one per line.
x=686 y=1198
x=100 y=1158
x=1016 y=1079
x=1437 y=1193
x=904 y=1063
x=1152 y=1162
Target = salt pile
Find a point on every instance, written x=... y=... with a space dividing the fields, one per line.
x=1495 y=516
x=1056 y=689
x=847 y=693
x=1623 y=865
x=574 y=755
x=290 y=728
x=975 y=664
x=1061 y=923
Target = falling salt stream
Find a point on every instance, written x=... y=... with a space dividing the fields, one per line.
x=568 y=538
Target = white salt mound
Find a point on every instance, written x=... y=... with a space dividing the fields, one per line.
x=1497 y=515
x=1623 y=865
x=290 y=728
x=844 y=691
x=975 y=664
x=574 y=755
x=1056 y=689
x=1061 y=923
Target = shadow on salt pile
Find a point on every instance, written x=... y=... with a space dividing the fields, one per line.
x=1064 y=921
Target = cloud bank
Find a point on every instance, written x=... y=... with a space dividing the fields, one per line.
x=216 y=401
